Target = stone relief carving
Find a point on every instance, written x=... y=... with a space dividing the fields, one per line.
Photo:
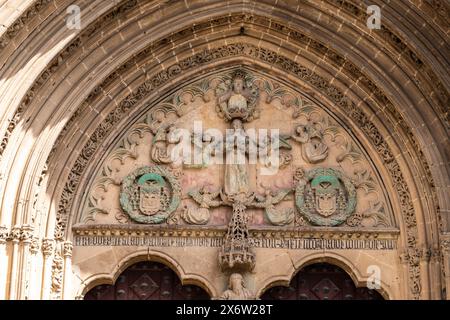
x=374 y=216
x=278 y=217
x=237 y=98
x=236 y=252
x=313 y=127
x=394 y=40
x=236 y=289
x=57 y=273
x=313 y=148
x=66 y=197
x=150 y=194
x=397 y=42
x=159 y=153
x=206 y=200
x=325 y=197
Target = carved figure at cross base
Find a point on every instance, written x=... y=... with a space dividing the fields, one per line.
x=236 y=289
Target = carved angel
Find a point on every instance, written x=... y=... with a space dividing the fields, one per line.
x=205 y=199
x=159 y=153
x=313 y=148
x=278 y=217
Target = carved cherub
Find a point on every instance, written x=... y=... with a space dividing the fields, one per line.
x=205 y=199
x=279 y=217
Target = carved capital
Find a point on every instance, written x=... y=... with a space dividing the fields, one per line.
x=34 y=245
x=48 y=245
x=67 y=249
x=3 y=234
x=15 y=234
x=26 y=233
x=425 y=255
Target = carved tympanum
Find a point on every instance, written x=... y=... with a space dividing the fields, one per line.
x=307 y=137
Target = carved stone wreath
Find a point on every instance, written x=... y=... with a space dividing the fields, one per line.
x=325 y=197
x=150 y=194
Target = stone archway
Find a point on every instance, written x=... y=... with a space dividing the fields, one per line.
x=147 y=280
x=60 y=122
x=321 y=281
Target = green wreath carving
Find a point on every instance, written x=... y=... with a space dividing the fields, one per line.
x=150 y=194
x=322 y=182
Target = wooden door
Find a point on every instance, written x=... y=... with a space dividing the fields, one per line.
x=147 y=281
x=321 y=282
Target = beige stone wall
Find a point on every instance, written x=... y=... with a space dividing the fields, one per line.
x=67 y=96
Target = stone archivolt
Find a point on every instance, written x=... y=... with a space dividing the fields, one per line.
x=314 y=144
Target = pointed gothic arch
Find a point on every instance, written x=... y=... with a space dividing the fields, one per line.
x=53 y=124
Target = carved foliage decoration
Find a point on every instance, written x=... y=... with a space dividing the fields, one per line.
x=150 y=194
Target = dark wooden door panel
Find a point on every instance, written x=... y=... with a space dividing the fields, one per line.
x=147 y=281
x=321 y=282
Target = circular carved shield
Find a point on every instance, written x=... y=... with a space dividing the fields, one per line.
x=150 y=194
x=325 y=197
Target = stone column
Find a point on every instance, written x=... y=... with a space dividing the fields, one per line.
x=33 y=282
x=67 y=253
x=445 y=247
x=405 y=273
x=48 y=246
x=435 y=274
x=26 y=234
x=425 y=274
x=14 y=274
x=3 y=261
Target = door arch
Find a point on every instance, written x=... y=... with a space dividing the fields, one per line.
x=321 y=281
x=147 y=280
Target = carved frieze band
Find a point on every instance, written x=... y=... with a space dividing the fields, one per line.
x=305 y=238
